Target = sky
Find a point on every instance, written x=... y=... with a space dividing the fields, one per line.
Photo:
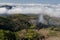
x=31 y=1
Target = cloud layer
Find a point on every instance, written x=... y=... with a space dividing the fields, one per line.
x=49 y=9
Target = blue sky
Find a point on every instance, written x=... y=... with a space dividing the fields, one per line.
x=31 y=1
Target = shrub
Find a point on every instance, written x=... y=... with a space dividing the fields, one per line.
x=56 y=29
x=33 y=26
x=30 y=34
x=1 y=35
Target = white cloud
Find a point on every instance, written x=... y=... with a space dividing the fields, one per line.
x=49 y=9
x=3 y=10
x=52 y=10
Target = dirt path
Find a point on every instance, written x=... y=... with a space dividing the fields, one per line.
x=53 y=38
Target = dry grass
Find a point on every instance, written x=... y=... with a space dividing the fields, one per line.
x=45 y=32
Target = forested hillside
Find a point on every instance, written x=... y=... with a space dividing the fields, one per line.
x=22 y=27
x=13 y=23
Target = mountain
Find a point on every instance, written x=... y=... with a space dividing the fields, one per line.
x=7 y=6
x=42 y=18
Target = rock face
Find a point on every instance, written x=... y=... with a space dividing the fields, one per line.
x=45 y=20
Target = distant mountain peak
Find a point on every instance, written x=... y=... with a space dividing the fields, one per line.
x=7 y=6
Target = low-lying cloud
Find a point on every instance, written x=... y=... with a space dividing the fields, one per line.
x=3 y=10
x=49 y=9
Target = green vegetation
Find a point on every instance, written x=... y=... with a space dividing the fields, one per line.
x=20 y=27
x=7 y=35
x=30 y=35
x=10 y=25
